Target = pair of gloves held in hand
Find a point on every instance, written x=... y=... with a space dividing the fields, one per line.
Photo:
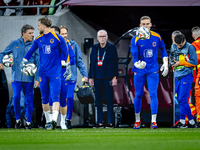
x=164 y=68
x=67 y=74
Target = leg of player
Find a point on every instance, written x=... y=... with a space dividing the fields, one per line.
x=63 y=103
x=17 y=87
x=44 y=88
x=70 y=102
x=28 y=92
x=182 y=91
x=55 y=86
x=139 y=81
x=50 y=107
x=152 y=82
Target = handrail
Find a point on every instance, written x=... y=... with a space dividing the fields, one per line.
x=35 y=6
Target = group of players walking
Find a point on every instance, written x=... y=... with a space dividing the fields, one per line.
x=58 y=58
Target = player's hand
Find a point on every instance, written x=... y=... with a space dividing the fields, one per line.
x=23 y=65
x=140 y=64
x=164 y=67
x=67 y=73
x=114 y=82
x=91 y=82
x=176 y=63
x=1 y=66
x=84 y=79
x=36 y=84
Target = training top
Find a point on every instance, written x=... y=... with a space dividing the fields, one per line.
x=147 y=50
x=51 y=46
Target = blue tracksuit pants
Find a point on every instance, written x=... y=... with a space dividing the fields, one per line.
x=70 y=98
x=152 y=83
x=52 y=81
x=27 y=88
x=182 y=88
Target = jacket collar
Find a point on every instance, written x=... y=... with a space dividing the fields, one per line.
x=26 y=43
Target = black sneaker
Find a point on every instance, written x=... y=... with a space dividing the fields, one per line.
x=28 y=126
x=192 y=126
x=180 y=125
x=198 y=125
x=18 y=125
x=109 y=126
x=53 y=125
x=68 y=124
x=98 y=126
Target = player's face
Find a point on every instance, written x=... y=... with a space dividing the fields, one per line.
x=180 y=46
x=40 y=28
x=145 y=23
x=28 y=36
x=64 y=33
x=102 y=37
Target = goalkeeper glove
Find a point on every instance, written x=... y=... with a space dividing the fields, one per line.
x=67 y=73
x=140 y=64
x=164 y=67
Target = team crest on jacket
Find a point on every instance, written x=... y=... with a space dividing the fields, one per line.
x=46 y=49
x=51 y=41
x=154 y=44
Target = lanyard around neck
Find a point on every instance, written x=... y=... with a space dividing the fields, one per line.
x=102 y=56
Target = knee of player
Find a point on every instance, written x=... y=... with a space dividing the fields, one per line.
x=45 y=101
x=63 y=104
x=138 y=97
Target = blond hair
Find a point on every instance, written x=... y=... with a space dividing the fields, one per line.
x=145 y=18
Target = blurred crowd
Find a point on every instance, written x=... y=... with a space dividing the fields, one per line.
x=27 y=11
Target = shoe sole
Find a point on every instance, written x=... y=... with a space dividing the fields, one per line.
x=98 y=127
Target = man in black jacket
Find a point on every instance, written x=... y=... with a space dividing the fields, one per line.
x=103 y=75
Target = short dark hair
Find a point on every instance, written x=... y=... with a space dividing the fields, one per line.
x=45 y=21
x=179 y=38
x=25 y=28
x=56 y=28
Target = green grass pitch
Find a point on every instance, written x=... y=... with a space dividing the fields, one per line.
x=100 y=139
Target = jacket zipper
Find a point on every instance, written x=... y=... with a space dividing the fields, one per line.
x=22 y=58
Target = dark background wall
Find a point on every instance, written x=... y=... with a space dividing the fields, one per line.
x=118 y=20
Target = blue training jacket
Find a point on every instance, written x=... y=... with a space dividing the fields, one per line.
x=78 y=62
x=19 y=49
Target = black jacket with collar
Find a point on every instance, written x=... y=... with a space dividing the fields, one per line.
x=110 y=60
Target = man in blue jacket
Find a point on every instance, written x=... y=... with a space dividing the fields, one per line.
x=183 y=69
x=72 y=81
x=20 y=82
x=103 y=75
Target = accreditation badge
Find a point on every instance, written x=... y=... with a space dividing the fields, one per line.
x=100 y=63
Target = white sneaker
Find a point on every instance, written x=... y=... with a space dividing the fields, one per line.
x=63 y=126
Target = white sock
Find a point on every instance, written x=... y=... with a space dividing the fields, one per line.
x=47 y=116
x=153 y=117
x=182 y=121
x=55 y=115
x=28 y=123
x=17 y=120
x=192 y=122
x=137 y=117
x=62 y=119
x=50 y=116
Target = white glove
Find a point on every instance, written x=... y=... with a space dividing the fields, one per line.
x=164 y=67
x=140 y=65
x=63 y=63
x=67 y=74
